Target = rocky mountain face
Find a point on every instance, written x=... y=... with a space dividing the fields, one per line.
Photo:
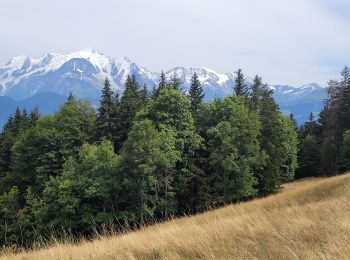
x=83 y=72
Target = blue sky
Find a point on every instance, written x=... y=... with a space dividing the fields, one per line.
x=286 y=41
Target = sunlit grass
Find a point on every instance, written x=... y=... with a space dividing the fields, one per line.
x=309 y=219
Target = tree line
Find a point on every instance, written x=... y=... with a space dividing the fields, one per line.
x=324 y=142
x=146 y=156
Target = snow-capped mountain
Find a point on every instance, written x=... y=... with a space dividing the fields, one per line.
x=83 y=73
x=78 y=72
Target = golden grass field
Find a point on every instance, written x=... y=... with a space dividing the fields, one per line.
x=309 y=219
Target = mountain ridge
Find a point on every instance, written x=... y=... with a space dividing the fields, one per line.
x=83 y=72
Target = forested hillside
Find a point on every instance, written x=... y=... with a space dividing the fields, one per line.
x=146 y=157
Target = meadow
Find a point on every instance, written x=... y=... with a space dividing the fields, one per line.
x=308 y=219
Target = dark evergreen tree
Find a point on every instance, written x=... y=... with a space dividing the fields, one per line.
x=144 y=95
x=14 y=127
x=196 y=94
x=255 y=93
x=328 y=156
x=162 y=84
x=270 y=176
x=70 y=97
x=241 y=88
x=346 y=151
x=130 y=103
x=175 y=82
x=104 y=120
x=172 y=110
x=294 y=121
x=34 y=115
x=309 y=158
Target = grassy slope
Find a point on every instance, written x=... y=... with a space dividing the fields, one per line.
x=310 y=219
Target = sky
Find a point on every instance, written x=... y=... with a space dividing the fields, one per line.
x=286 y=41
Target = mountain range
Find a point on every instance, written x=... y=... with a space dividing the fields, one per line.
x=46 y=81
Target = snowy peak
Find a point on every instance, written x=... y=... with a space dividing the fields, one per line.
x=83 y=72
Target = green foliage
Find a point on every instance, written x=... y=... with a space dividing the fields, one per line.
x=328 y=156
x=346 y=151
x=41 y=150
x=161 y=85
x=270 y=176
x=196 y=94
x=13 y=129
x=309 y=158
x=175 y=82
x=255 y=94
x=234 y=152
x=335 y=120
x=241 y=88
x=148 y=158
x=84 y=196
x=171 y=109
x=290 y=150
x=142 y=158
x=130 y=103
x=105 y=120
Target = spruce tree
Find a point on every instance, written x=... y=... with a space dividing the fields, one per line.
x=270 y=176
x=309 y=158
x=346 y=151
x=70 y=97
x=255 y=93
x=34 y=115
x=162 y=84
x=328 y=157
x=196 y=94
x=241 y=88
x=104 y=120
x=175 y=82
x=130 y=103
x=294 y=121
x=144 y=95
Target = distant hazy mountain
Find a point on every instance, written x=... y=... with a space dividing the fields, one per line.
x=83 y=73
x=47 y=102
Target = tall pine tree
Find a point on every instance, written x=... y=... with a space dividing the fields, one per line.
x=255 y=93
x=241 y=88
x=196 y=94
x=104 y=120
x=130 y=103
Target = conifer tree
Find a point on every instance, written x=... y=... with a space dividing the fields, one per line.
x=270 y=176
x=172 y=110
x=294 y=121
x=241 y=88
x=175 y=82
x=130 y=103
x=255 y=93
x=144 y=95
x=162 y=83
x=309 y=158
x=346 y=151
x=104 y=120
x=70 y=97
x=328 y=157
x=34 y=115
x=196 y=94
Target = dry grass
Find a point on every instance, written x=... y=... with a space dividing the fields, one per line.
x=310 y=219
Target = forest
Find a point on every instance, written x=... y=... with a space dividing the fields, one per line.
x=143 y=156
